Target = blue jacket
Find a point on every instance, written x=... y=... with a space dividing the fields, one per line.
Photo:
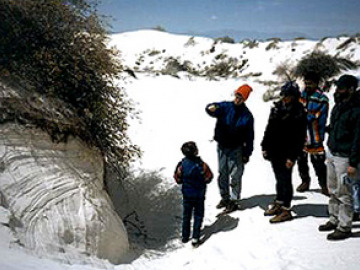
x=234 y=126
x=194 y=175
x=317 y=107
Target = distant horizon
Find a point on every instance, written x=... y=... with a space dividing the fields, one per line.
x=238 y=19
x=227 y=33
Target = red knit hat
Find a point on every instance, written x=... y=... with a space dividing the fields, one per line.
x=244 y=91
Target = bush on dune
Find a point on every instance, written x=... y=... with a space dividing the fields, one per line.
x=58 y=50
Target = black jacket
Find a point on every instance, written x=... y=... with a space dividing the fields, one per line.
x=344 y=130
x=285 y=133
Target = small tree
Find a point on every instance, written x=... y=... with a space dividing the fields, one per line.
x=273 y=44
x=225 y=39
x=248 y=43
x=59 y=50
x=326 y=66
x=285 y=71
x=159 y=28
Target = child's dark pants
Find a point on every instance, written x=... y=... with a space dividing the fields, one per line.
x=190 y=205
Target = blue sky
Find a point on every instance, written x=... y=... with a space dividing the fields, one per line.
x=237 y=18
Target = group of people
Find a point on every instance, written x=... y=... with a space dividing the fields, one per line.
x=295 y=130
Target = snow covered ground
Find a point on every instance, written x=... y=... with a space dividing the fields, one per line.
x=172 y=111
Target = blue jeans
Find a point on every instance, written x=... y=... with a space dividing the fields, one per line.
x=231 y=169
x=191 y=205
x=356 y=196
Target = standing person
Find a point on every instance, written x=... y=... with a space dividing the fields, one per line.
x=317 y=107
x=282 y=144
x=344 y=157
x=194 y=174
x=234 y=133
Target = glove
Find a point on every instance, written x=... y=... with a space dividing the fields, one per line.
x=212 y=108
x=289 y=163
x=265 y=155
x=245 y=159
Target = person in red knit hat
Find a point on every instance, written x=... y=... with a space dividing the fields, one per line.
x=234 y=133
x=244 y=91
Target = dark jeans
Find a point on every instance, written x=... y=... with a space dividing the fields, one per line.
x=284 y=188
x=318 y=162
x=190 y=205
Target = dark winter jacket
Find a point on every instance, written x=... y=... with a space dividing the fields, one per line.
x=194 y=174
x=344 y=130
x=285 y=132
x=234 y=126
x=317 y=108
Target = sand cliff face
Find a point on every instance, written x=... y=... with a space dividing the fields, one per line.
x=54 y=192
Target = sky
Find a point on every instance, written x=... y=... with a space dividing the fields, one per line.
x=239 y=19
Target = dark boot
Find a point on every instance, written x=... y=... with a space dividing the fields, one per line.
x=231 y=206
x=328 y=226
x=338 y=235
x=325 y=191
x=195 y=242
x=184 y=240
x=223 y=203
x=304 y=186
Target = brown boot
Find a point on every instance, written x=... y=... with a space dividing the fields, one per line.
x=285 y=215
x=325 y=191
x=274 y=209
x=304 y=186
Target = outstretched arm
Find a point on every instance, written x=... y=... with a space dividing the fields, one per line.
x=213 y=109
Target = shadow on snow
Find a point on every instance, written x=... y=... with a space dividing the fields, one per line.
x=301 y=210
